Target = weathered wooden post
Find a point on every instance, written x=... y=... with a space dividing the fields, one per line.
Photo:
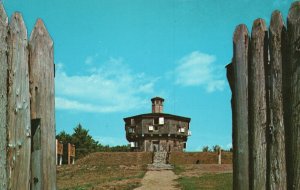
x=276 y=134
x=42 y=99
x=219 y=156
x=18 y=108
x=257 y=105
x=3 y=98
x=71 y=153
x=240 y=109
x=59 y=152
x=36 y=155
x=293 y=28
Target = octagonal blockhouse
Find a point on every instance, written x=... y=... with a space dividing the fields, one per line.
x=157 y=131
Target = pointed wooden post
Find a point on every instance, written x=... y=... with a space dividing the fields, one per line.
x=42 y=98
x=18 y=118
x=3 y=97
x=240 y=109
x=276 y=133
x=293 y=29
x=257 y=105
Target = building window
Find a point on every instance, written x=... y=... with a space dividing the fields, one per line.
x=150 y=128
x=182 y=130
x=130 y=130
x=161 y=121
x=155 y=128
x=132 y=144
x=132 y=122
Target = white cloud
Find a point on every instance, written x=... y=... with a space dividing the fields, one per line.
x=229 y=146
x=68 y=104
x=113 y=87
x=197 y=69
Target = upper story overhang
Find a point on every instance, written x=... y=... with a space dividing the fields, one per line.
x=155 y=115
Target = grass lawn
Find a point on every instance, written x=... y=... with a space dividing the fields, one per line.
x=99 y=177
x=204 y=176
x=212 y=181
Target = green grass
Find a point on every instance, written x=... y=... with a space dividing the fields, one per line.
x=84 y=187
x=207 y=182
x=81 y=177
x=178 y=169
x=140 y=175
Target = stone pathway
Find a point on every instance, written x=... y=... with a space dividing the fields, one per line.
x=160 y=162
x=159 y=180
x=159 y=175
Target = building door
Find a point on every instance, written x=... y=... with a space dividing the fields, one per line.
x=155 y=146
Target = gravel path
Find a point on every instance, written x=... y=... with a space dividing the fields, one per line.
x=159 y=180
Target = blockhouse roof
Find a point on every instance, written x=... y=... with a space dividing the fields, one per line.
x=165 y=115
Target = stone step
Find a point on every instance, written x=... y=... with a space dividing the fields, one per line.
x=155 y=166
x=160 y=157
x=160 y=162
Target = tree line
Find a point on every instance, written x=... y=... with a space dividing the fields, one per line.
x=214 y=148
x=85 y=144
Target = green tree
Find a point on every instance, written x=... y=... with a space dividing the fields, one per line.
x=216 y=148
x=83 y=142
x=205 y=149
x=122 y=148
x=64 y=138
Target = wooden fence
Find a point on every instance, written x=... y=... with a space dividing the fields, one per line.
x=264 y=77
x=27 y=130
x=70 y=150
x=71 y=153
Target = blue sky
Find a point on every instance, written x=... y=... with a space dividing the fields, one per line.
x=113 y=56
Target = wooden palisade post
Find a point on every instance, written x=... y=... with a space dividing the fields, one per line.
x=276 y=133
x=18 y=108
x=257 y=105
x=3 y=98
x=240 y=109
x=42 y=99
x=36 y=155
x=293 y=28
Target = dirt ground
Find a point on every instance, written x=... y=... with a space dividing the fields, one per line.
x=166 y=179
x=108 y=171
x=190 y=170
x=159 y=180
